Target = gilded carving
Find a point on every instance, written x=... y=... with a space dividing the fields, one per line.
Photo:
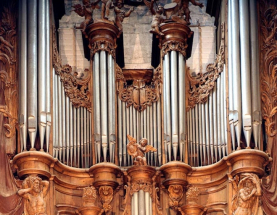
x=77 y=89
x=138 y=150
x=8 y=74
x=248 y=192
x=89 y=196
x=106 y=196
x=176 y=193
x=192 y=195
x=136 y=186
x=174 y=46
x=120 y=14
x=139 y=94
x=202 y=85
x=102 y=45
x=34 y=191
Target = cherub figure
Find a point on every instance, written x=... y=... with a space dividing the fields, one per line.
x=87 y=11
x=105 y=9
x=157 y=18
x=138 y=150
x=184 y=8
x=121 y=14
x=34 y=192
x=246 y=201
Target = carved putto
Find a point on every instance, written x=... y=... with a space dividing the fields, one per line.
x=34 y=192
x=248 y=191
x=87 y=11
x=120 y=14
x=138 y=150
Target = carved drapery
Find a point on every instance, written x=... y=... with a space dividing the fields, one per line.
x=202 y=85
x=77 y=89
x=139 y=94
x=8 y=75
x=268 y=68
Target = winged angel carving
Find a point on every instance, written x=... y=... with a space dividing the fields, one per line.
x=138 y=150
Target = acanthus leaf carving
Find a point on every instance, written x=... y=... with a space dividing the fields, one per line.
x=106 y=194
x=102 y=45
x=174 y=46
x=202 y=85
x=175 y=193
x=192 y=195
x=77 y=89
x=139 y=94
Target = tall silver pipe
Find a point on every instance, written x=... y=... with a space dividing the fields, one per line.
x=41 y=71
x=212 y=123
x=215 y=139
x=147 y=203
x=82 y=136
x=111 y=106
x=155 y=132
x=136 y=203
x=60 y=117
x=71 y=132
x=32 y=71
x=78 y=136
x=219 y=132
x=97 y=120
x=200 y=134
x=196 y=134
x=141 y=199
x=151 y=135
x=67 y=127
x=190 y=136
x=193 y=135
x=245 y=70
x=225 y=110
x=120 y=138
x=230 y=75
x=236 y=69
x=174 y=101
x=255 y=75
x=63 y=122
x=167 y=99
x=182 y=100
x=85 y=138
x=89 y=140
x=23 y=75
x=207 y=146
x=127 y=110
x=204 y=133
x=48 y=72
x=147 y=134
x=55 y=113
x=104 y=103
x=159 y=126
x=222 y=113
x=124 y=135
x=165 y=123
x=75 y=135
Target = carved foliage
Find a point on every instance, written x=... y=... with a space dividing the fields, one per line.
x=77 y=89
x=203 y=84
x=102 y=45
x=192 y=195
x=8 y=73
x=136 y=186
x=89 y=196
x=175 y=195
x=268 y=29
x=174 y=46
x=106 y=196
x=139 y=94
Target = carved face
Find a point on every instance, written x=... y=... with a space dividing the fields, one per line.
x=36 y=186
x=119 y=5
x=143 y=142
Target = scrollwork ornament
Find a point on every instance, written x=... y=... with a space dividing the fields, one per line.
x=202 y=85
x=89 y=196
x=192 y=194
x=106 y=196
x=174 y=46
x=102 y=45
x=176 y=193
x=146 y=186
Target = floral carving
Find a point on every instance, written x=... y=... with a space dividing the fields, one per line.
x=8 y=74
x=106 y=196
x=136 y=186
x=248 y=192
x=89 y=196
x=176 y=193
x=139 y=94
x=77 y=89
x=174 y=46
x=102 y=45
x=192 y=195
x=203 y=84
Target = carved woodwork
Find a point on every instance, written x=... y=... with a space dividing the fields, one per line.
x=175 y=193
x=138 y=150
x=175 y=38
x=77 y=89
x=34 y=191
x=143 y=91
x=106 y=196
x=202 y=85
x=192 y=195
x=89 y=196
x=268 y=69
x=8 y=75
x=120 y=14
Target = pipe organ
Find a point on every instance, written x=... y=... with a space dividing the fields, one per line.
x=112 y=140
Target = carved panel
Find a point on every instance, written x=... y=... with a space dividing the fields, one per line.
x=77 y=89
x=89 y=196
x=140 y=94
x=201 y=85
x=192 y=195
x=8 y=73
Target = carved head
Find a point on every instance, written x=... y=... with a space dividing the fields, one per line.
x=160 y=9
x=34 y=182
x=248 y=185
x=86 y=2
x=143 y=142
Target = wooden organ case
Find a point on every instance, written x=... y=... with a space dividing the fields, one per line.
x=138 y=141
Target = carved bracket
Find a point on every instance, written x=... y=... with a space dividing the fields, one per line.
x=203 y=84
x=175 y=193
x=106 y=196
x=140 y=94
x=77 y=89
